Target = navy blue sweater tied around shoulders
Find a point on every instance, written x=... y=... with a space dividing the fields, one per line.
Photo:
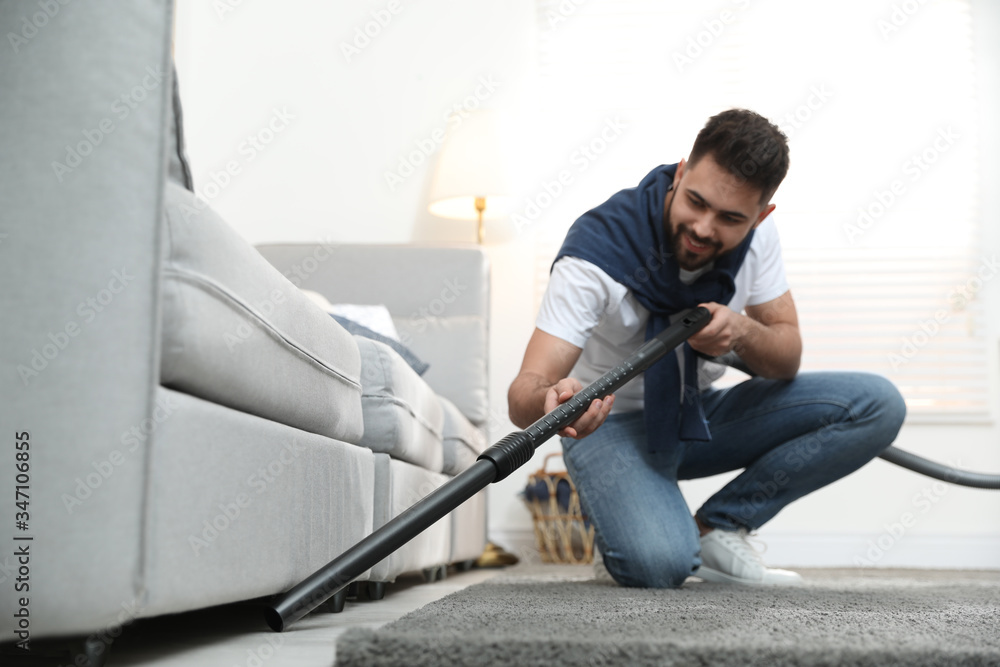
x=626 y=238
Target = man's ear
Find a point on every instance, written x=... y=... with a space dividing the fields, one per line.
x=680 y=170
x=763 y=214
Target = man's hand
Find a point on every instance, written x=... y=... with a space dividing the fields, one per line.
x=722 y=333
x=543 y=385
x=766 y=338
x=586 y=423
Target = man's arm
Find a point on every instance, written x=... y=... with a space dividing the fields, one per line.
x=766 y=338
x=542 y=385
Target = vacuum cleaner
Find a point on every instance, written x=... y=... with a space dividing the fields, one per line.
x=513 y=451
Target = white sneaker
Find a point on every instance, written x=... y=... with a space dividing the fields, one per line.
x=727 y=557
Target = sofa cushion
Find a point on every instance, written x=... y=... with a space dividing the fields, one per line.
x=399 y=486
x=462 y=442
x=469 y=529
x=237 y=332
x=403 y=417
x=454 y=346
x=239 y=507
x=413 y=361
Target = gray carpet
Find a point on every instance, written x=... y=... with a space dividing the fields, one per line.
x=559 y=615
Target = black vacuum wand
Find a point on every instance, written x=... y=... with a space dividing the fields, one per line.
x=493 y=465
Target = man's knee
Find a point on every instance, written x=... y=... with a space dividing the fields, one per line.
x=646 y=568
x=882 y=400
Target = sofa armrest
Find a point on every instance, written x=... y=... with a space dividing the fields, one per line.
x=81 y=190
x=439 y=298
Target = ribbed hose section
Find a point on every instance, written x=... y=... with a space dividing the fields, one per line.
x=510 y=453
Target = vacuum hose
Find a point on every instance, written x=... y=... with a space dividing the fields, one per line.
x=896 y=455
x=979 y=480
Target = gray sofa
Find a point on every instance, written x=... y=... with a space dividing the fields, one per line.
x=196 y=430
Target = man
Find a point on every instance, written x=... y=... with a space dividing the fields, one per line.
x=696 y=233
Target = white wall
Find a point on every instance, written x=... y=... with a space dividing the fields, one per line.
x=352 y=119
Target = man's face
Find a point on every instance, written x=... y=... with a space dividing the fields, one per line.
x=709 y=212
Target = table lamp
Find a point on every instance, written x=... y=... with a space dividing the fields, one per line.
x=470 y=178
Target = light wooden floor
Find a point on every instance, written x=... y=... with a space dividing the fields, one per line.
x=236 y=636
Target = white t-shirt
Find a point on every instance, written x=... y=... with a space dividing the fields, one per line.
x=584 y=306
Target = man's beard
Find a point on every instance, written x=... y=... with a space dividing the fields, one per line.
x=687 y=260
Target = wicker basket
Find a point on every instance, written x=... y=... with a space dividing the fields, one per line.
x=562 y=532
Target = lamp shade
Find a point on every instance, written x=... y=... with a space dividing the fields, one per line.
x=471 y=166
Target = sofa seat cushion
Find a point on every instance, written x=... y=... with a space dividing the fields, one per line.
x=399 y=486
x=239 y=507
x=403 y=416
x=238 y=333
x=462 y=442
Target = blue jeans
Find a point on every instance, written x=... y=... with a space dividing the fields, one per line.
x=790 y=437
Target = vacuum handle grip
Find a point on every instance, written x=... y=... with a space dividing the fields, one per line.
x=688 y=323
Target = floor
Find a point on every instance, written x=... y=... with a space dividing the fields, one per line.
x=236 y=636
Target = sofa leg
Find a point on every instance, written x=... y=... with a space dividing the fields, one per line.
x=335 y=604
x=466 y=565
x=436 y=573
x=338 y=600
x=376 y=590
x=96 y=652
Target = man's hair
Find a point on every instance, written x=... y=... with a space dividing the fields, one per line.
x=748 y=146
